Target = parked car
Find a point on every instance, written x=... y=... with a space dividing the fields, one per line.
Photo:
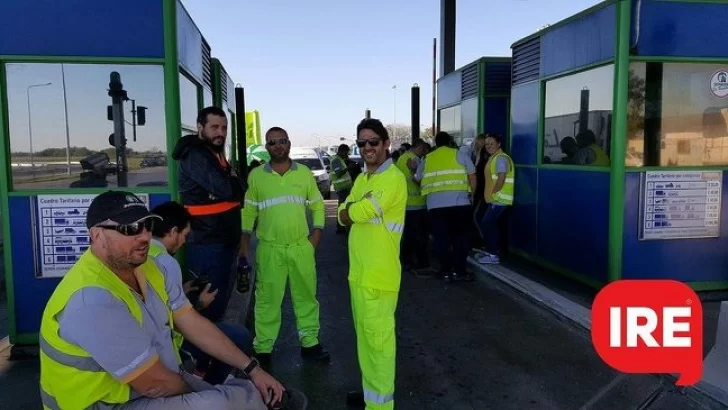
x=310 y=158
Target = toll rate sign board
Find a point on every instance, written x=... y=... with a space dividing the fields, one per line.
x=680 y=204
x=61 y=234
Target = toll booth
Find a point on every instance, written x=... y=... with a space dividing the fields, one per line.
x=83 y=110
x=619 y=119
x=475 y=99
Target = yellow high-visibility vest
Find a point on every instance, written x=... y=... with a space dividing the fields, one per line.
x=443 y=172
x=505 y=195
x=414 y=193
x=69 y=377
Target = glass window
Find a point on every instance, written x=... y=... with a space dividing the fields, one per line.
x=207 y=98
x=189 y=106
x=469 y=112
x=578 y=118
x=451 y=122
x=60 y=132
x=229 y=139
x=677 y=114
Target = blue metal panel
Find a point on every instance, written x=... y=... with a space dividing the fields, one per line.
x=496 y=117
x=573 y=220
x=189 y=44
x=679 y=29
x=523 y=215
x=497 y=78
x=130 y=28
x=524 y=123
x=689 y=260
x=449 y=89
x=31 y=294
x=584 y=41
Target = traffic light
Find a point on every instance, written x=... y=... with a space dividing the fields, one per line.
x=113 y=143
x=141 y=115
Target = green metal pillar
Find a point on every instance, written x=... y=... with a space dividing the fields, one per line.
x=217 y=83
x=171 y=91
x=619 y=140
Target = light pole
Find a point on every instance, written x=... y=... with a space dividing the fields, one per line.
x=30 y=124
x=394 y=124
x=65 y=112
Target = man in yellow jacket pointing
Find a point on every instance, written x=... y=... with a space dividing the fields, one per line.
x=375 y=210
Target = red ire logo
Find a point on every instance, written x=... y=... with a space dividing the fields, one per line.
x=650 y=326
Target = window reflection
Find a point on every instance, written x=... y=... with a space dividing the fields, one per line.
x=229 y=139
x=677 y=114
x=469 y=112
x=451 y=122
x=59 y=130
x=189 y=106
x=578 y=118
x=207 y=98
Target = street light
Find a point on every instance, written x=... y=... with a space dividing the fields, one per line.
x=394 y=123
x=30 y=124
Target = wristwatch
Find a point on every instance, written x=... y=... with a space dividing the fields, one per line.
x=253 y=364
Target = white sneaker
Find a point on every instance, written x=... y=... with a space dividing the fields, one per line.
x=488 y=259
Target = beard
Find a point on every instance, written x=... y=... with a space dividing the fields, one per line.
x=215 y=147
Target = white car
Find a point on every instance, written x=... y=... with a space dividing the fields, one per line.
x=310 y=158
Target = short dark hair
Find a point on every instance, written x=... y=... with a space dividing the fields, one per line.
x=375 y=125
x=202 y=115
x=443 y=139
x=343 y=148
x=174 y=215
x=276 y=129
x=419 y=142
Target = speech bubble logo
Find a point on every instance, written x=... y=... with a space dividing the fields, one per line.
x=650 y=326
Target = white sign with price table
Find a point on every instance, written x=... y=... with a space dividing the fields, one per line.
x=680 y=204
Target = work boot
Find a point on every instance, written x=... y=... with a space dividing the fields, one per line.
x=315 y=352
x=292 y=400
x=355 y=399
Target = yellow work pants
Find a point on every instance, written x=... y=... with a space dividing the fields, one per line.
x=275 y=266
x=376 y=343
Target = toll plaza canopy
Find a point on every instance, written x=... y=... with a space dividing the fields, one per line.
x=88 y=104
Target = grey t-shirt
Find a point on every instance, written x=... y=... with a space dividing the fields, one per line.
x=101 y=324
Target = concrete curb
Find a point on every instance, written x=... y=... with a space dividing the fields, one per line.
x=574 y=313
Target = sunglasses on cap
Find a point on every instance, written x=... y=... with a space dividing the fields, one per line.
x=132 y=229
x=373 y=142
x=273 y=143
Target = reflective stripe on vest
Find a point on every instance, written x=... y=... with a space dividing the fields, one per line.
x=505 y=195
x=211 y=209
x=414 y=192
x=443 y=172
x=70 y=378
x=279 y=200
x=340 y=182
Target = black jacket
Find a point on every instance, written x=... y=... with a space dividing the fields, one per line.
x=204 y=181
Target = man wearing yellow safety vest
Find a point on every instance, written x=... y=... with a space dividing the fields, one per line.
x=414 y=241
x=499 y=191
x=447 y=178
x=341 y=178
x=106 y=332
x=589 y=152
x=278 y=195
x=375 y=210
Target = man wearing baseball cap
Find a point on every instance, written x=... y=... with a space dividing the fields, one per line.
x=106 y=333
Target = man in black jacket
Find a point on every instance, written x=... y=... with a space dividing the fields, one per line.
x=212 y=193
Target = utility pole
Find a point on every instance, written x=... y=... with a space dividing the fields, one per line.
x=118 y=96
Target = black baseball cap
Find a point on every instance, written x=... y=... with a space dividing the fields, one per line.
x=117 y=206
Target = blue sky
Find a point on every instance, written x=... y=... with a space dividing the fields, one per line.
x=314 y=67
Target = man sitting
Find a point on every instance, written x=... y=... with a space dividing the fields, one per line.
x=106 y=332
x=169 y=236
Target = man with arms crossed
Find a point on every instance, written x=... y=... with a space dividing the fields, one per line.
x=375 y=210
x=106 y=332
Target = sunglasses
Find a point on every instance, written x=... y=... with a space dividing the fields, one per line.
x=132 y=229
x=374 y=142
x=273 y=143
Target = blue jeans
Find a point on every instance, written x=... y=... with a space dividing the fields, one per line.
x=217 y=262
x=490 y=227
x=217 y=371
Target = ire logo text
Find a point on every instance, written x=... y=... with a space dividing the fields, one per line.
x=650 y=326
